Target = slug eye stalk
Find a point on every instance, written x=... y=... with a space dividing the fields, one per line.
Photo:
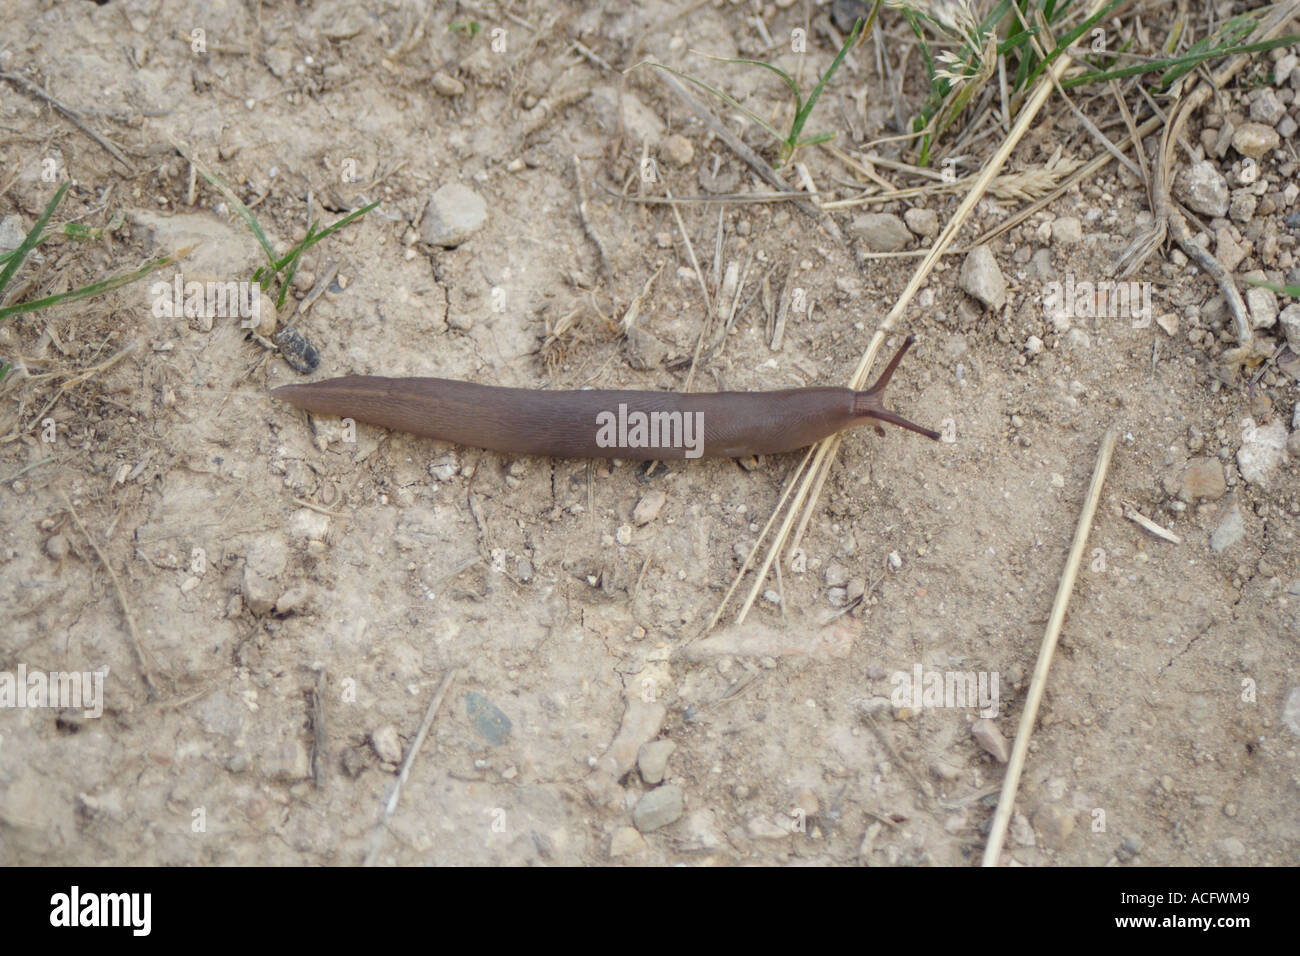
x=870 y=404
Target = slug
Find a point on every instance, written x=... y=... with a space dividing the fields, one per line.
x=593 y=423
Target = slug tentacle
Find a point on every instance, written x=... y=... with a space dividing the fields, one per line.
x=870 y=404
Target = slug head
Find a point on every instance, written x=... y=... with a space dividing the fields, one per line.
x=870 y=404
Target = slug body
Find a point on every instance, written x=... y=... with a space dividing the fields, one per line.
x=632 y=425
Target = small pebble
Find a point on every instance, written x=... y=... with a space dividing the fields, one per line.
x=56 y=547
x=1067 y=230
x=982 y=279
x=446 y=85
x=1202 y=187
x=988 y=736
x=626 y=841
x=648 y=508
x=1255 y=140
x=923 y=222
x=678 y=150
x=658 y=808
x=453 y=214
x=652 y=760
x=387 y=745
x=881 y=232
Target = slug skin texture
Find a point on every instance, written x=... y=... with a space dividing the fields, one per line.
x=601 y=423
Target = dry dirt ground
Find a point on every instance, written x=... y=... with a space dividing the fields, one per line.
x=299 y=597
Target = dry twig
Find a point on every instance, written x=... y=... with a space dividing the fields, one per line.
x=1011 y=782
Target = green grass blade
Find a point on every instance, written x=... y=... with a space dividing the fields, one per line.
x=814 y=140
x=1194 y=61
x=325 y=233
x=244 y=212
x=1063 y=43
x=1232 y=34
x=786 y=77
x=995 y=16
x=95 y=288
x=293 y=267
x=1290 y=290
x=803 y=114
x=33 y=237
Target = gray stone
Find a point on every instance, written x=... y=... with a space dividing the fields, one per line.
x=648 y=508
x=268 y=555
x=658 y=808
x=487 y=719
x=1291 y=711
x=1242 y=206
x=1068 y=230
x=1266 y=108
x=454 y=214
x=836 y=575
x=652 y=760
x=56 y=547
x=625 y=842
x=1041 y=265
x=1231 y=529
x=279 y=60
x=1262 y=305
x=1227 y=248
x=1202 y=187
x=1289 y=319
x=923 y=222
x=259 y=591
x=1129 y=848
x=1255 y=140
x=881 y=231
x=982 y=279
x=1021 y=833
x=1262 y=453
x=643 y=350
x=387 y=745
x=294 y=600
x=639 y=122
x=1283 y=67
x=12 y=233
x=446 y=85
x=988 y=736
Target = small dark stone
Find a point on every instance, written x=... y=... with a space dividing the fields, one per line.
x=301 y=355
x=354 y=761
x=1129 y=847
x=489 y=721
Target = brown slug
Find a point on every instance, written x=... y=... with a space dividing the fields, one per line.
x=602 y=423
